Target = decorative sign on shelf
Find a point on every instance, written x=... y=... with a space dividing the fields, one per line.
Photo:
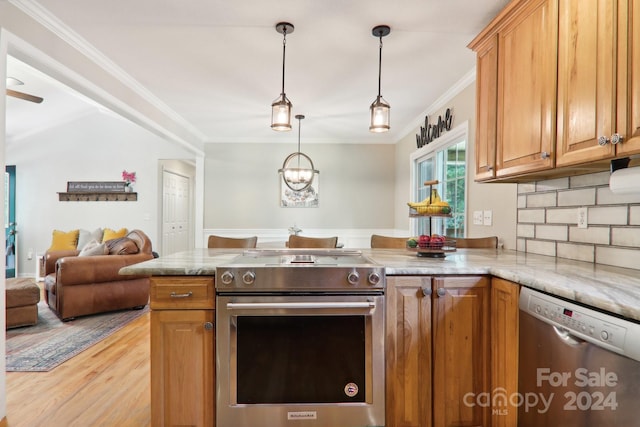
x=83 y=196
x=95 y=187
x=429 y=132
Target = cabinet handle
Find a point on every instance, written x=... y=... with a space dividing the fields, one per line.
x=187 y=295
x=426 y=291
x=441 y=292
x=603 y=140
x=544 y=155
x=490 y=168
x=616 y=138
x=208 y=326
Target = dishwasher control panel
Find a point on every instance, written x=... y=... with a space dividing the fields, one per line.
x=616 y=334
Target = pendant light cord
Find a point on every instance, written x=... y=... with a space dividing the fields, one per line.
x=284 y=49
x=380 y=67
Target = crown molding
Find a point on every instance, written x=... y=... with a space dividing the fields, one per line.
x=466 y=80
x=48 y=20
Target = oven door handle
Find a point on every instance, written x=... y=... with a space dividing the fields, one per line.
x=299 y=305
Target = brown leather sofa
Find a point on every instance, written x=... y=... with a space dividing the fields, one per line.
x=82 y=285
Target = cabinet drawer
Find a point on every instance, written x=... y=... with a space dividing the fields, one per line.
x=178 y=292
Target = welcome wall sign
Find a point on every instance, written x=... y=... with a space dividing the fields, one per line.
x=429 y=131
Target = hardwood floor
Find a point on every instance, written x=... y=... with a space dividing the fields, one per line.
x=106 y=385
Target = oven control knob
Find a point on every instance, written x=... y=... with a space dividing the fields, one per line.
x=353 y=278
x=374 y=278
x=226 y=278
x=249 y=278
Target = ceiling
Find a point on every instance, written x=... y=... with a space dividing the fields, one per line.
x=218 y=64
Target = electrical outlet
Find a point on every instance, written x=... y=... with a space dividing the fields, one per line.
x=583 y=220
x=30 y=253
x=477 y=217
x=487 y=218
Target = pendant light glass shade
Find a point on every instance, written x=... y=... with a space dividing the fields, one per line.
x=281 y=107
x=380 y=114
x=281 y=113
x=298 y=170
x=380 y=109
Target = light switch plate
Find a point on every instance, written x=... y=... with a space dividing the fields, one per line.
x=487 y=217
x=583 y=221
x=477 y=217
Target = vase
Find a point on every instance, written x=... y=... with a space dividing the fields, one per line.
x=128 y=189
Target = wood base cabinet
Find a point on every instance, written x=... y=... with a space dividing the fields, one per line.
x=504 y=351
x=182 y=352
x=437 y=350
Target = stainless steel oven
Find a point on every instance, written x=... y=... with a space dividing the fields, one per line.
x=300 y=340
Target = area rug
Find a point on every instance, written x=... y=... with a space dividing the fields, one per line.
x=44 y=346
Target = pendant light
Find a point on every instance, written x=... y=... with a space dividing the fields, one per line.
x=281 y=107
x=380 y=109
x=297 y=170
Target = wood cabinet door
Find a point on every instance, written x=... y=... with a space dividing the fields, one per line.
x=486 y=108
x=460 y=350
x=182 y=368
x=629 y=77
x=587 y=55
x=504 y=351
x=527 y=59
x=408 y=352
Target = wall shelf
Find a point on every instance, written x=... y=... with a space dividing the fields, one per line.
x=98 y=197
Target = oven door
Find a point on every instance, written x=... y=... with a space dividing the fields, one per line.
x=300 y=360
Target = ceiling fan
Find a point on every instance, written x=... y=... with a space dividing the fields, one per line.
x=12 y=81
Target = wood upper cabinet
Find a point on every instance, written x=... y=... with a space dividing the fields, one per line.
x=567 y=86
x=486 y=108
x=628 y=78
x=504 y=351
x=527 y=58
x=182 y=352
x=437 y=350
x=598 y=48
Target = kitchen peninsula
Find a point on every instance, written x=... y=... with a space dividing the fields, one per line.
x=612 y=289
x=474 y=292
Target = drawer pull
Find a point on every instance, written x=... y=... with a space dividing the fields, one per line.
x=187 y=295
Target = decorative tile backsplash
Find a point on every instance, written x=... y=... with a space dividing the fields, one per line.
x=548 y=221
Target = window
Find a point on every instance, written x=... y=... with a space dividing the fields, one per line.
x=444 y=160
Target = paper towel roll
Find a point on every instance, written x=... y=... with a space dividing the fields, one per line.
x=625 y=181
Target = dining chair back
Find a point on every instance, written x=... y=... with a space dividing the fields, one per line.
x=312 y=242
x=379 y=242
x=231 y=242
x=477 y=242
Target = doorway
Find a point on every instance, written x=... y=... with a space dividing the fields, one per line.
x=10 y=221
x=176 y=202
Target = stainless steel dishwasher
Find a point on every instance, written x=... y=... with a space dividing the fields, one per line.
x=578 y=367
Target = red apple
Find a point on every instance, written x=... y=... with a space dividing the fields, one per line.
x=423 y=241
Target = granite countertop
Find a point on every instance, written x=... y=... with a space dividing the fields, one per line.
x=613 y=289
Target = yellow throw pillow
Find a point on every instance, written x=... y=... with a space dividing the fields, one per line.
x=110 y=234
x=63 y=241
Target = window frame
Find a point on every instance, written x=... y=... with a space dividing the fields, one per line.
x=450 y=138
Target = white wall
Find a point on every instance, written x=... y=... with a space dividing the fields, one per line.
x=499 y=198
x=242 y=186
x=93 y=148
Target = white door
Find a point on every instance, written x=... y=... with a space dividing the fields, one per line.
x=175 y=213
